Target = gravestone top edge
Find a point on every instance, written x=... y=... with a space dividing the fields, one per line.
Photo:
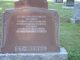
x=12 y=10
x=31 y=3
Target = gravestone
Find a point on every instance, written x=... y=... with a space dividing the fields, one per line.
x=76 y=15
x=32 y=3
x=31 y=30
x=31 y=33
x=70 y=3
x=59 y=1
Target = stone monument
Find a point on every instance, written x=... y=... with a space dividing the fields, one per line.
x=31 y=30
x=70 y=3
x=76 y=15
x=31 y=33
x=59 y=1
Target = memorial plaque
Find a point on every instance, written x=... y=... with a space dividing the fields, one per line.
x=30 y=30
x=32 y=3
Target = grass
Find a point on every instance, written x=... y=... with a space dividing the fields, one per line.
x=3 y=6
x=69 y=33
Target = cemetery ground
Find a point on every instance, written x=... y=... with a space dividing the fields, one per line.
x=69 y=33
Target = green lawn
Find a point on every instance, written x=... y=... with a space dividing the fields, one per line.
x=69 y=33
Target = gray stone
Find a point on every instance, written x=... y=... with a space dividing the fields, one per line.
x=76 y=16
x=62 y=55
x=59 y=1
x=70 y=3
x=67 y=7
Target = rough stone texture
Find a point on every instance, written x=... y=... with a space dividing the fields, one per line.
x=62 y=55
x=76 y=16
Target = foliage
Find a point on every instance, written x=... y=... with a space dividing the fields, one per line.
x=69 y=33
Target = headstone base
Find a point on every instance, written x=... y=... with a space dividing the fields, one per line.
x=75 y=20
x=67 y=7
x=62 y=55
